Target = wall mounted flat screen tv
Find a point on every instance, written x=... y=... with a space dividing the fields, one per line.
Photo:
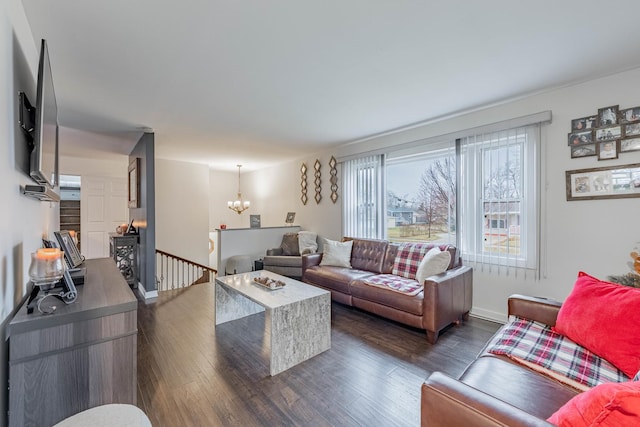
x=44 y=157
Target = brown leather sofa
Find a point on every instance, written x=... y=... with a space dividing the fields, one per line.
x=493 y=390
x=445 y=299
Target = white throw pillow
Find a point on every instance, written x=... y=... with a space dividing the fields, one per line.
x=307 y=242
x=337 y=253
x=434 y=262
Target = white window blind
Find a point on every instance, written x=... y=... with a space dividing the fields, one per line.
x=499 y=199
x=363 y=186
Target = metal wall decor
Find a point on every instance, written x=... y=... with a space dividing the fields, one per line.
x=317 y=181
x=303 y=183
x=333 y=171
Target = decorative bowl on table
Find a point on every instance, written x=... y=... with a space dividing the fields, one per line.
x=269 y=283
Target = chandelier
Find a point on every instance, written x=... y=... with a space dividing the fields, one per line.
x=239 y=205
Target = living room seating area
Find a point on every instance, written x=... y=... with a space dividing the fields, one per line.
x=417 y=284
x=568 y=364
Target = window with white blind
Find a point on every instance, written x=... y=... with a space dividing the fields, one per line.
x=362 y=195
x=499 y=197
x=481 y=193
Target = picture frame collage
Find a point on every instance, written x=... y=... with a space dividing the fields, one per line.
x=607 y=134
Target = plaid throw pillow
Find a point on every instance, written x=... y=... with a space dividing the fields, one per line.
x=408 y=259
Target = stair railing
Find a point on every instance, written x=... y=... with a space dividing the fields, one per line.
x=175 y=272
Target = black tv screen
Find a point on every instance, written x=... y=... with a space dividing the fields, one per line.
x=44 y=157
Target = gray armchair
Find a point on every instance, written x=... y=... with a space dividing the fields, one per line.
x=287 y=259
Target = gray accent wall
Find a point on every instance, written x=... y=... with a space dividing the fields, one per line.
x=145 y=216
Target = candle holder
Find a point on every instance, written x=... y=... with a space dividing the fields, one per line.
x=46 y=270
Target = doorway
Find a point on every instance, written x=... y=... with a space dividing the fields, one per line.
x=70 y=205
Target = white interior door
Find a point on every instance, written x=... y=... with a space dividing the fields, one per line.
x=103 y=203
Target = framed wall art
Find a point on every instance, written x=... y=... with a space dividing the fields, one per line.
x=615 y=182
x=134 y=183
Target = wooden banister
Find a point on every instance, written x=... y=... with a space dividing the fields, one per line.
x=177 y=272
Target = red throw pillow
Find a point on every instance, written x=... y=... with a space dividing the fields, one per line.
x=610 y=404
x=605 y=318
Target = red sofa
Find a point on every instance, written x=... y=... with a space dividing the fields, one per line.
x=445 y=299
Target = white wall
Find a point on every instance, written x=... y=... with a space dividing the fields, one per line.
x=23 y=221
x=182 y=209
x=594 y=236
x=273 y=193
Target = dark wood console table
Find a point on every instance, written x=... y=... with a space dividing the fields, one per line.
x=83 y=355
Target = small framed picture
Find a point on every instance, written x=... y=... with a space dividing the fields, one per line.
x=606 y=134
x=608 y=116
x=630 y=115
x=254 y=221
x=632 y=129
x=607 y=150
x=584 y=150
x=290 y=217
x=630 y=144
x=577 y=138
x=583 y=123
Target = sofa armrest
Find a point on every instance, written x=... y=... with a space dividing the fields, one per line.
x=541 y=310
x=274 y=252
x=447 y=298
x=449 y=402
x=310 y=260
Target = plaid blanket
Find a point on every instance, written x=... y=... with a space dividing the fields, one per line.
x=395 y=283
x=536 y=345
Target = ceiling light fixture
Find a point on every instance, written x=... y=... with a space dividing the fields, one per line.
x=239 y=205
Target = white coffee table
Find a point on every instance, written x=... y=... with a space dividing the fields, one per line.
x=297 y=317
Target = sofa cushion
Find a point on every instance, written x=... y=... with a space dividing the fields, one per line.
x=337 y=254
x=605 y=318
x=434 y=262
x=307 y=242
x=369 y=254
x=518 y=386
x=613 y=404
x=408 y=259
x=336 y=278
x=289 y=244
x=399 y=301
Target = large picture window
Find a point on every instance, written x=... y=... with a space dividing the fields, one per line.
x=479 y=192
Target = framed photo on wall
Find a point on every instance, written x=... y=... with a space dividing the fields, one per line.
x=291 y=216
x=254 y=221
x=613 y=182
x=134 y=183
x=608 y=116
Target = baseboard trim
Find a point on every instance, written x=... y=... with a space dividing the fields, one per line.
x=146 y=295
x=493 y=316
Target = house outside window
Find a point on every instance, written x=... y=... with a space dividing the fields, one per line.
x=480 y=192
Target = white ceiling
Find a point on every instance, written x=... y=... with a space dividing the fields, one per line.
x=258 y=82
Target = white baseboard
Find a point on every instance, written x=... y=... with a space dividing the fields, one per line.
x=493 y=316
x=146 y=295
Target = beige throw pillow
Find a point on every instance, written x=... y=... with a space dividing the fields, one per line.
x=337 y=253
x=434 y=262
x=307 y=242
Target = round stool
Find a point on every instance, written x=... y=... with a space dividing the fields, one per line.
x=238 y=264
x=112 y=415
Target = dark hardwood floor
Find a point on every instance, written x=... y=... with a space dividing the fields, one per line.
x=191 y=373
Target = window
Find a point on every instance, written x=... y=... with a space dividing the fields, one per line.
x=499 y=201
x=479 y=191
x=363 y=203
x=421 y=196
